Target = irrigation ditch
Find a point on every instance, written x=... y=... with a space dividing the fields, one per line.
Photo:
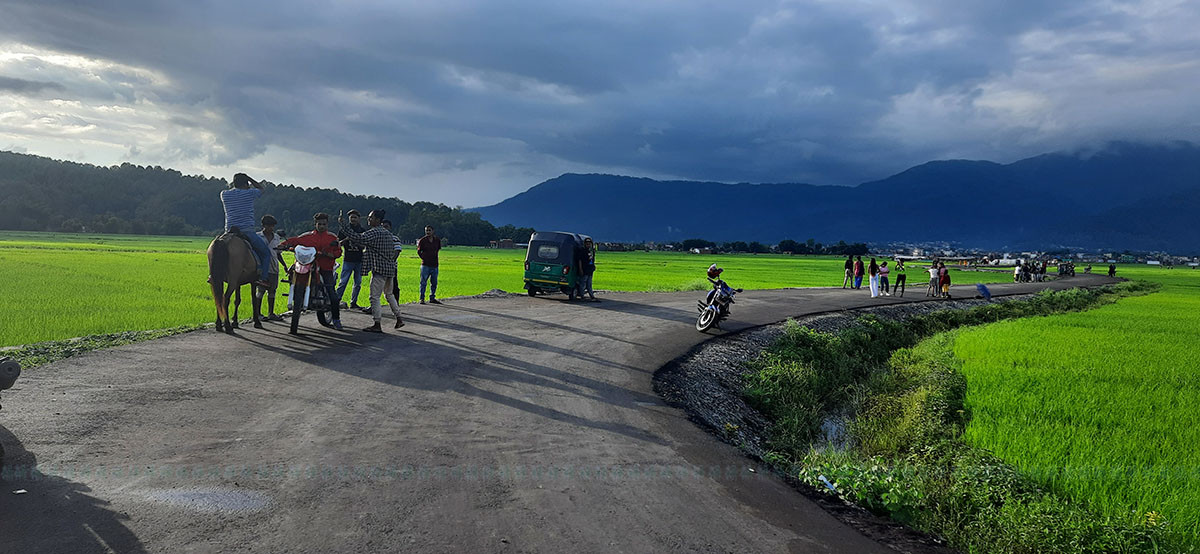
x=736 y=387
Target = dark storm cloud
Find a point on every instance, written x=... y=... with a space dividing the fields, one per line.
x=21 y=86
x=764 y=91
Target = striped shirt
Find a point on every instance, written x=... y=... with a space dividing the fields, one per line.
x=380 y=255
x=239 y=208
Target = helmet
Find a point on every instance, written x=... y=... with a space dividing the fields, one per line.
x=714 y=271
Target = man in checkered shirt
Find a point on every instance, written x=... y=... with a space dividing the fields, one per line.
x=380 y=260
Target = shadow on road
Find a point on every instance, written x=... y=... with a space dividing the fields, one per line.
x=540 y=323
x=429 y=363
x=646 y=310
x=56 y=514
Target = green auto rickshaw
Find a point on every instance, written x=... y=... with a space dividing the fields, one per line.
x=552 y=262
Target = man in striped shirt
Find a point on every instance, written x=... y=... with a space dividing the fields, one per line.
x=239 y=212
x=379 y=259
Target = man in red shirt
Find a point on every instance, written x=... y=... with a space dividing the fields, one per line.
x=328 y=252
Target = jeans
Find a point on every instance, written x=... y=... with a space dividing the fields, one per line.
x=858 y=281
x=264 y=254
x=883 y=283
x=429 y=274
x=585 y=286
x=328 y=280
x=348 y=269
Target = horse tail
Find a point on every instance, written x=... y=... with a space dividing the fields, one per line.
x=218 y=270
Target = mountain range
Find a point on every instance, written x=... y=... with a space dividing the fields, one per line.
x=1122 y=196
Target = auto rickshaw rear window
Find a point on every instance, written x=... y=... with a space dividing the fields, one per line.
x=548 y=252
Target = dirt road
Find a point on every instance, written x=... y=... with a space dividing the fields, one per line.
x=508 y=424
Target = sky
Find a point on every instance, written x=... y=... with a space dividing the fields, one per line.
x=468 y=102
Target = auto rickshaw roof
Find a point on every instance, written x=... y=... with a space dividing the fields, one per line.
x=558 y=236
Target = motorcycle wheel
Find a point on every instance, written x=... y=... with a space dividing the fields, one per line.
x=707 y=319
x=301 y=282
x=321 y=306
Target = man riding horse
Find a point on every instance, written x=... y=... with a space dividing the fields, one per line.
x=229 y=260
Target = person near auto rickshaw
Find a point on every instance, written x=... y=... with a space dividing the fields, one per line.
x=585 y=262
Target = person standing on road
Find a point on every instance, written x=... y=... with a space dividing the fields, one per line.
x=272 y=239
x=328 y=251
x=944 y=279
x=238 y=202
x=900 y=278
x=587 y=267
x=858 y=273
x=883 y=279
x=1112 y=270
x=427 y=250
x=873 y=278
x=849 y=280
x=380 y=260
x=352 y=262
x=387 y=224
x=933 y=281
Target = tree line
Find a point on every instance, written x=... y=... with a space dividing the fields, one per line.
x=41 y=194
x=789 y=246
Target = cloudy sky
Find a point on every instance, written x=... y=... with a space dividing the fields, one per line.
x=468 y=102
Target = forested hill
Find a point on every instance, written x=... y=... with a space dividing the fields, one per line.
x=1125 y=195
x=41 y=194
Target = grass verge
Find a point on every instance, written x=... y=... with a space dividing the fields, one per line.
x=902 y=404
x=33 y=355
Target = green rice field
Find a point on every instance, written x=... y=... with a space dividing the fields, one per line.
x=70 y=285
x=1100 y=406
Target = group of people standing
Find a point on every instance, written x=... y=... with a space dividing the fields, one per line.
x=1030 y=272
x=877 y=276
x=939 y=280
x=373 y=250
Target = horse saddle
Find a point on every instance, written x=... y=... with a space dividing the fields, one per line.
x=236 y=233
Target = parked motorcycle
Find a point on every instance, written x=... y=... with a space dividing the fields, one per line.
x=715 y=307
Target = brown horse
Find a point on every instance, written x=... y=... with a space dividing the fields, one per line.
x=230 y=262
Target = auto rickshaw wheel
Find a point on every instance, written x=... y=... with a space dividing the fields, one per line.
x=532 y=291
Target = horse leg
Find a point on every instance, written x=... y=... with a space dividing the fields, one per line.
x=218 y=290
x=256 y=293
x=237 y=302
x=228 y=324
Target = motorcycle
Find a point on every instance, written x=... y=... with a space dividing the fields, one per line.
x=715 y=307
x=306 y=289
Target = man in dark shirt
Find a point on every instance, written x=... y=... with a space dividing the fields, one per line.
x=849 y=280
x=587 y=268
x=351 y=261
x=427 y=250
